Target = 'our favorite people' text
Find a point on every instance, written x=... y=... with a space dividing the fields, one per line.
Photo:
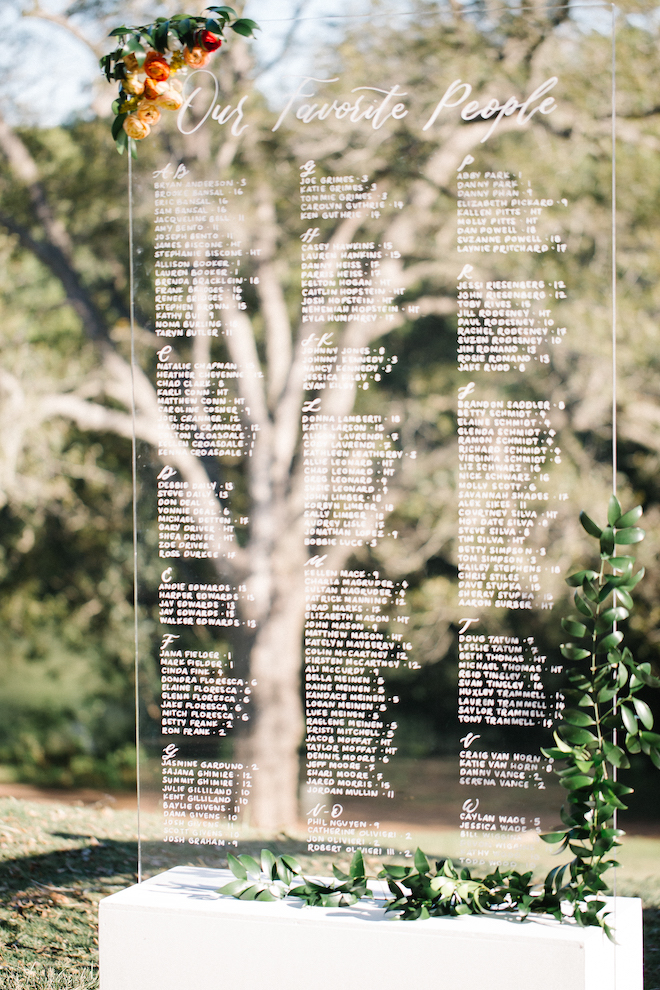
x=372 y=107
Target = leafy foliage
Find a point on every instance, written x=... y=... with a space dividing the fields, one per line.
x=418 y=892
x=277 y=877
x=604 y=709
x=604 y=683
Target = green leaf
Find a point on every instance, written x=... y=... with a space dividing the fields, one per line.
x=576 y=781
x=607 y=542
x=253 y=868
x=590 y=591
x=624 y=598
x=590 y=526
x=655 y=756
x=422 y=864
x=160 y=36
x=133 y=46
x=356 y=868
x=609 y=642
x=553 y=753
x=607 y=693
x=118 y=125
x=577 y=580
x=561 y=745
x=615 y=755
x=610 y=615
x=234 y=888
x=268 y=863
x=631 y=517
x=581 y=605
x=573 y=628
x=572 y=652
x=576 y=735
x=643 y=671
x=650 y=737
x=644 y=713
x=245 y=26
x=395 y=872
x=553 y=837
x=292 y=864
x=627 y=536
x=629 y=720
x=636 y=578
x=613 y=510
x=267 y=895
x=250 y=893
x=227 y=11
x=576 y=717
x=236 y=867
x=119 y=32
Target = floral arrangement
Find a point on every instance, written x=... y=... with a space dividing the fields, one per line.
x=152 y=61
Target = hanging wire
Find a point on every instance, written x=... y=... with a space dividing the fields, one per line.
x=466 y=8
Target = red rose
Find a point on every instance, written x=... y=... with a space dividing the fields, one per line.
x=156 y=66
x=208 y=41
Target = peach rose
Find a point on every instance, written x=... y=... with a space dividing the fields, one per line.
x=131 y=63
x=133 y=85
x=148 y=112
x=136 y=128
x=152 y=89
x=196 y=58
x=171 y=100
x=156 y=66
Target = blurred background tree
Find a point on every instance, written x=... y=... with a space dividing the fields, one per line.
x=65 y=533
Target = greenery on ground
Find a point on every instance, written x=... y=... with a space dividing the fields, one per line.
x=57 y=862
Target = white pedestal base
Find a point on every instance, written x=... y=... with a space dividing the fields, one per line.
x=174 y=932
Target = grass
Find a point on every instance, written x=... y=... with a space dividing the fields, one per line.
x=58 y=861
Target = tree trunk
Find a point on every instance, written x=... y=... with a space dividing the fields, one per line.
x=275 y=664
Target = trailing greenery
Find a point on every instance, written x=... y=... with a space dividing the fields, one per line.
x=604 y=709
x=603 y=705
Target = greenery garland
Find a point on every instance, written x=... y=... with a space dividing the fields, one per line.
x=604 y=706
x=152 y=59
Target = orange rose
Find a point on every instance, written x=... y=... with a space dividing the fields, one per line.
x=136 y=128
x=196 y=58
x=171 y=100
x=148 y=112
x=152 y=89
x=133 y=85
x=131 y=63
x=156 y=66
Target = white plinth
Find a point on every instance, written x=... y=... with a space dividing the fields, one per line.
x=174 y=932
